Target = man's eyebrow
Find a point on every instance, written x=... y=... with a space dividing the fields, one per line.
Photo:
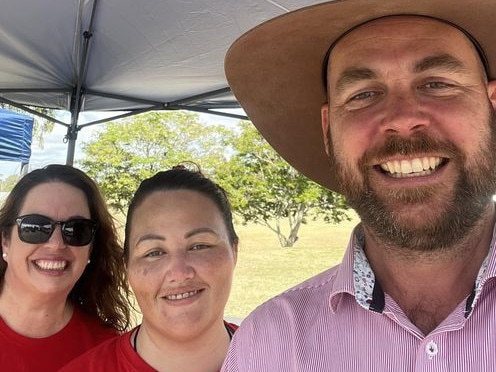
x=444 y=61
x=354 y=75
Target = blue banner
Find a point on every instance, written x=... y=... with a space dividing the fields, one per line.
x=16 y=132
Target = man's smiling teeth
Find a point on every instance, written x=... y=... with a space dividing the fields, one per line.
x=51 y=265
x=411 y=168
x=181 y=296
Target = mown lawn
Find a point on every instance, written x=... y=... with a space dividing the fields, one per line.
x=264 y=269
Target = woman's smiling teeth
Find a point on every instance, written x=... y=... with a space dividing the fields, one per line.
x=181 y=296
x=51 y=265
x=412 y=167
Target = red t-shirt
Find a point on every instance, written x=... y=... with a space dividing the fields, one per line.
x=19 y=353
x=115 y=355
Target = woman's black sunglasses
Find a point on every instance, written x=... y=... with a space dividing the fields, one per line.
x=35 y=229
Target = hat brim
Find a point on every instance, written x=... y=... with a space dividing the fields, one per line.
x=275 y=69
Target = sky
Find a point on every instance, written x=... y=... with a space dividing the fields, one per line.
x=54 y=150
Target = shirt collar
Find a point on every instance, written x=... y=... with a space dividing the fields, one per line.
x=486 y=272
x=354 y=276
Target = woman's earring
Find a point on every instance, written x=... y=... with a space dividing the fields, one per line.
x=88 y=262
x=4 y=255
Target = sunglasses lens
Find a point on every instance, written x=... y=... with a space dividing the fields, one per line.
x=35 y=229
x=78 y=232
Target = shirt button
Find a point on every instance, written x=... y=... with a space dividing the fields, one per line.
x=431 y=349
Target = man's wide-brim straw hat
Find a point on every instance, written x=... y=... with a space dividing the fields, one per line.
x=275 y=69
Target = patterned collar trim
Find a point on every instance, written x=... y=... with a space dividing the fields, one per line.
x=368 y=292
x=485 y=273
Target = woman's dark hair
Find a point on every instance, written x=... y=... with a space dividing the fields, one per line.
x=102 y=289
x=181 y=178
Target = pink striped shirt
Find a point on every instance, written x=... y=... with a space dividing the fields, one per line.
x=341 y=321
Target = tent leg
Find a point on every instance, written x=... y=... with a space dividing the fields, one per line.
x=70 y=152
x=71 y=138
x=24 y=168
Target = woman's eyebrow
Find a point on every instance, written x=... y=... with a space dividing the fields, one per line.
x=200 y=230
x=150 y=237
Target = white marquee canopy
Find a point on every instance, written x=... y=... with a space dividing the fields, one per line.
x=123 y=55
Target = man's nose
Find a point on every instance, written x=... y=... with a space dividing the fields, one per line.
x=404 y=114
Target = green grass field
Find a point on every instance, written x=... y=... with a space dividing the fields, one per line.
x=265 y=269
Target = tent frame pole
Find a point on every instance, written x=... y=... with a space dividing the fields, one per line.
x=78 y=92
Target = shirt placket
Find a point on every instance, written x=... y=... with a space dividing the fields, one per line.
x=432 y=354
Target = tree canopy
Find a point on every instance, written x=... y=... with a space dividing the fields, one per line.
x=262 y=187
x=266 y=190
x=123 y=154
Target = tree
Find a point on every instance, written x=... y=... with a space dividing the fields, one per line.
x=265 y=189
x=9 y=183
x=124 y=153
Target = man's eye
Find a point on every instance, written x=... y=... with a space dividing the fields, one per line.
x=436 y=85
x=363 y=95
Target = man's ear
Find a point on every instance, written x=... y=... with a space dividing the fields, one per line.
x=326 y=135
x=491 y=92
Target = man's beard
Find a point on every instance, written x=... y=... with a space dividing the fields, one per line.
x=460 y=212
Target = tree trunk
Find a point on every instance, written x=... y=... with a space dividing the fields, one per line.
x=294 y=225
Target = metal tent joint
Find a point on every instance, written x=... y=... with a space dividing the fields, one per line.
x=72 y=133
